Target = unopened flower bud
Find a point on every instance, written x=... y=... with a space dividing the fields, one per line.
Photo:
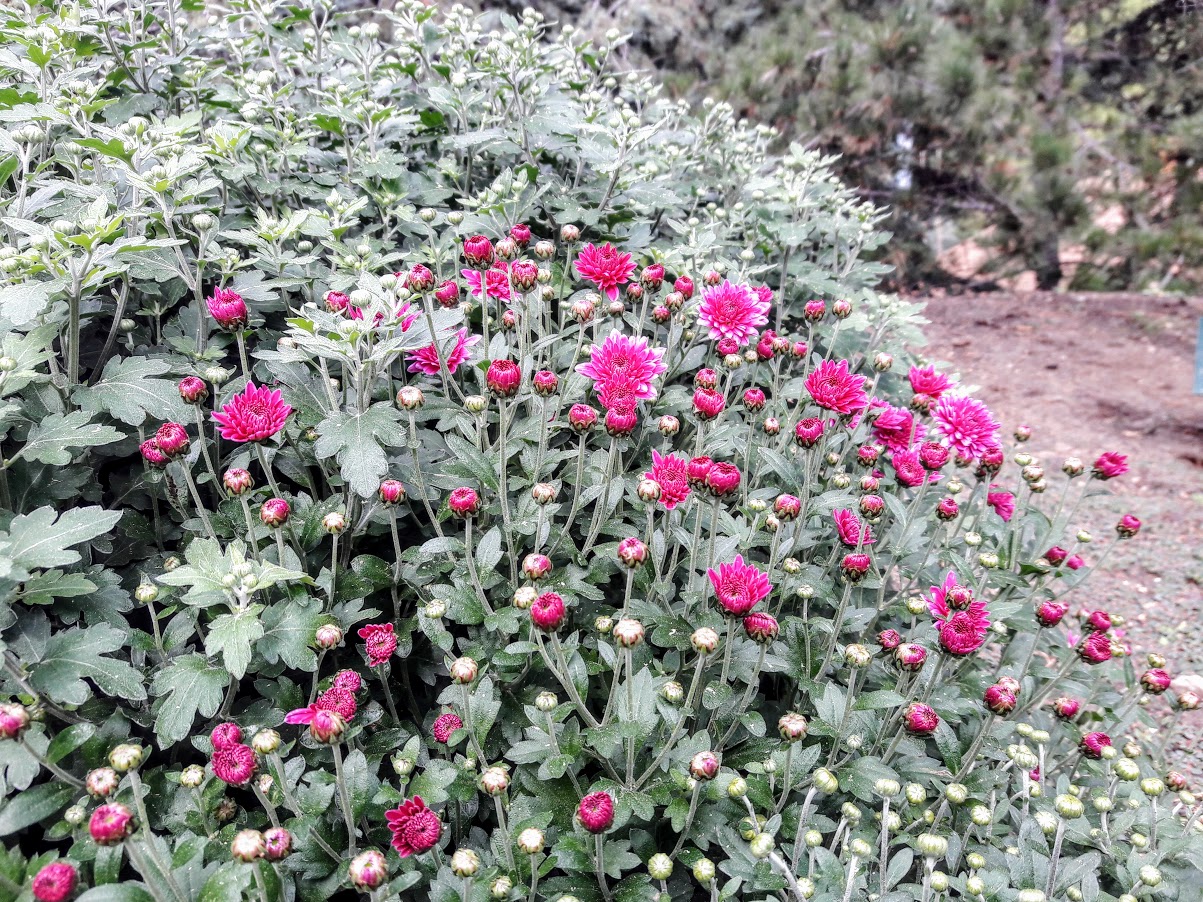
x=463 y=670
x=530 y=841
x=125 y=757
x=825 y=781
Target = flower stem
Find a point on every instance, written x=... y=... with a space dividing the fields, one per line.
x=1055 y=859
x=503 y=428
x=472 y=572
x=53 y=768
x=196 y=499
x=600 y=864
x=144 y=820
x=388 y=693
x=344 y=798
x=266 y=803
x=242 y=358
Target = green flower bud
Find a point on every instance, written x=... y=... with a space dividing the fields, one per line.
x=975 y=860
x=737 y=788
x=860 y=848
x=980 y=815
x=1152 y=787
x=813 y=839
x=1031 y=895
x=750 y=826
x=1102 y=803
x=1150 y=876
x=530 y=841
x=1046 y=821
x=806 y=887
x=850 y=813
x=125 y=757
x=956 y=793
x=501 y=887
x=915 y=606
x=1069 y=807
x=915 y=794
x=762 y=845
x=465 y=863
x=1139 y=840
x=660 y=866
x=703 y=871
x=887 y=788
x=939 y=881
x=931 y=845
x=825 y=781
x=975 y=886
x=1074 y=894
x=75 y=815
x=1127 y=769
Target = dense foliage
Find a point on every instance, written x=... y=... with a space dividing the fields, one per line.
x=1054 y=133
x=433 y=465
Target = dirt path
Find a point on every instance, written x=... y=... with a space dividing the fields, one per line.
x=1094 y=373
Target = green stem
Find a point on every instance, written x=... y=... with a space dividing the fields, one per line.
x=344 y=798
x=53 y=768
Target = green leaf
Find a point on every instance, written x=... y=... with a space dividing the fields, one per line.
x=362 y=782
x=189 y=684
x=23 y=302
x=232 y=635
x=469 y=458
x=49 y=440
x=288 y=628
x=117 y=892
x=68 y=741
x=226 y=884
x=129 y=391
x=43 y=588
x=78 y=654
x=41 y=539
x=485 y=706
x=356 y=440
x=36 y=804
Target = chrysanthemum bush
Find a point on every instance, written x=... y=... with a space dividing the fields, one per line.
x=435 y=467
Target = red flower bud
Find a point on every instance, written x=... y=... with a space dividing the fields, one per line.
x=194 y=391
x=463 y=502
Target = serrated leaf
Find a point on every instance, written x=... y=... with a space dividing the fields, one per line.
x=48 y=442
x=116 y=892
x=188 y=685
x=356 y=441
x=129 y=391
x=42 y=539
x=76 y=655
x=232 y=636
x=22 y=302
x=288 y=628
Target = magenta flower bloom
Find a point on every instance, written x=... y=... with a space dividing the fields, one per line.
x=733 y=311
x=253 y=416
x=1095 y=648
x=494 y=281
x=110 y=824
x=834 y=387
x=228 y=308
x=596 y=812
x=624 y=361
x=426 y=359
x=415 y=828
x=1003 y=504
x=338 y=699
x=1092 y=744
x=55 y=882
x=852 y=531
x=909 y=469
x=964 y=632
x=605 y=267
x=926 y=381
x=1110 y=465
x=967 y=425
x=920 y=719
x=444 y=726
x=547 y=612
x=225 y=735
x=670 y=472
x=234 y=764
x=739 y=586
x=895 y=427
x=379 y=641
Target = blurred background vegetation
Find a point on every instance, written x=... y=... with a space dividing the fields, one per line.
x=1019 y=143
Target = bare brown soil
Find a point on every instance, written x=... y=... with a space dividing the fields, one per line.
x=1092 y=373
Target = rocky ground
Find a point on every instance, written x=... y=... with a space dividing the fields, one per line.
x=1092 y=373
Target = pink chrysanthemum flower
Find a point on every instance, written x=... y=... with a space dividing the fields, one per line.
x=670 y=472
x=55 y=882
x=339 y=700
x=733 y=311
x=1110 y=465
x=415 y=828
x=426 y=359
x=256 y=414
x=851 y=530
x=909 y=469
x=1003 y=504
x=834 y=387
x=895 y=427
x=605 y=267
x=596 y=812
x=379 y=641
x=444 y=726
x=228 y=308
x=966 y=424
x=963 y=633
x=234 y=764
x=926 y=381
x=495 y=279
x=739 y=586
x=621 y=360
